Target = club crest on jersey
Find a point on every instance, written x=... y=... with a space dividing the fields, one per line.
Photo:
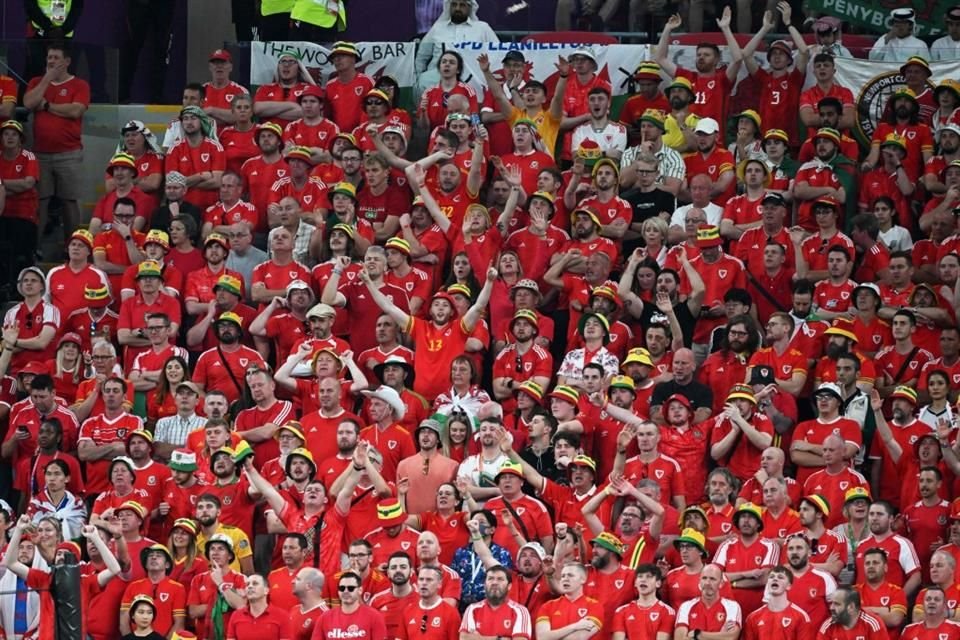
x=722 y=273
x=582 y=613
x=618 y=584
x=506 y=623
x=358 y=90
x=658 y=473
x=391 y=444
x=885 y=600
x=813 y=592
x=308 y=199
x=786 y=621
x=654 y=615
x=844 y=484
x=164 y=597
x=244 y=362
x=405 y=545
x=205 y=157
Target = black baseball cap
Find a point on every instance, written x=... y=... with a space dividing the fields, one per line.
x=775 y=199
x=514 y=56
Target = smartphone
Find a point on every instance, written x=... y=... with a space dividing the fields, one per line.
x=475 y=120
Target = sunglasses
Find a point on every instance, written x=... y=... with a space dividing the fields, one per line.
x=375 y=103
x=345 y=587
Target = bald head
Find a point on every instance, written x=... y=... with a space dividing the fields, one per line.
x=683 y=365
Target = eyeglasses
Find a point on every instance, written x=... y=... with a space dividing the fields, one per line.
x=287 y=62
x=357 y=555
x=374 y=103
x=737 y=332
x=347 y=587
x=160 y=328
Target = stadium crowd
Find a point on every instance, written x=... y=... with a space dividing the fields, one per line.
x=689 y=372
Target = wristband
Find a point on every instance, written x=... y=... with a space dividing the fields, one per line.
x=338 y=271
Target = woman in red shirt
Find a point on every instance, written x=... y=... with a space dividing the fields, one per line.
x=182 y=544
x=161 y=402
x=456 y=437
x=67 y=367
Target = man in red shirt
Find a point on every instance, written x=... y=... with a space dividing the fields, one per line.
x=219 y=583
x=834 y=480
x=903 y=565
x=747 y=557
x=824 y=72
x=848 y=621
x=935 y=621
x=134 y=312
x=35 y=321
x=711 y=612
x=102 y=436
x=19 y=171
x=199 y=157
x=261 y=172
x=806 y=450
x=816 y=181
x=497 y=614
x=790 y=621
x=258 y=619
x=711 y=82
x=223 y=367
x=810 y=586
x=221 y=90
x=573 y=612
x=348 y=89
x=720 y=273
x=386 y=434
x=259 y=423
x=439 y=339
x=713 y=160
x=120 y=246
x=278 y=101
x=430 y=618
x=123 y=171
x=58 y=101
x=308 y=589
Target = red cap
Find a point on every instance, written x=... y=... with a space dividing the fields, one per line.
x=679 y=397
x=312 y=90
x=220 y=54
x=34 y=367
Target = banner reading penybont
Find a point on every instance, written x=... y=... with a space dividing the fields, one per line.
x=873 y=14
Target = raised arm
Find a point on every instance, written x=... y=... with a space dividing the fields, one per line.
x=396 y=313
x=267 y=490
x=473 y=314
x=11 y=559
x=747 y=54
x=661 y=53
x=556 y=103
x=92 y=534
x=631 y=301
x=504 y=105
x=736 y=54
x=803 y=51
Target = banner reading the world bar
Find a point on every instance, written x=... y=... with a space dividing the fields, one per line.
x=873 y=14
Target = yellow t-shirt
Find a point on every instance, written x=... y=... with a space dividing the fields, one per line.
x=673 y=137
x=241 y=544
x=547 y=126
